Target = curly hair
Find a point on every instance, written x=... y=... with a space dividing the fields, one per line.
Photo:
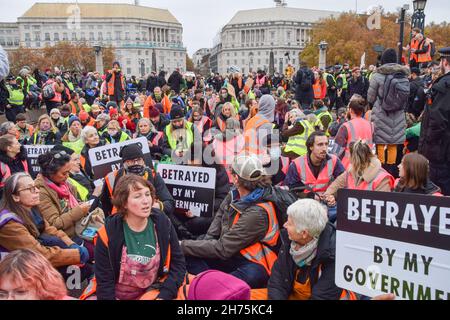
x=52 y=161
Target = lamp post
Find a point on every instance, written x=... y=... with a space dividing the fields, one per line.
x=418 y=17
x=271 y=63
x=153 y=60
x=323 y=45
x=402 y=32
x=98 y=59
x=142 y=66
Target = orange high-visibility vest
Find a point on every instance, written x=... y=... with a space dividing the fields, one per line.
x=91 y=289
x=226 y=151
x=313 y=184
x=413 y=45
x=74 y=107
x=357 y=128
x=155 y=140
x=252 y=143
x=424 y=57
x=260 y=252
x=317 y=88
x=111 y=84
x=6 y=171
x=372 y=186
x=58 y=95
x=285 y=163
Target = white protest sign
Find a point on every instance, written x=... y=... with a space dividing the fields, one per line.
x=393 y=243
x=193 y=188
x=33 y=152
x=106 y=159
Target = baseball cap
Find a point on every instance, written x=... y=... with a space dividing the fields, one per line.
x=248 y=167
x=103 y=117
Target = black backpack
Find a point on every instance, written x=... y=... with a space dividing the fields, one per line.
x=396 y=92
x=282 y=199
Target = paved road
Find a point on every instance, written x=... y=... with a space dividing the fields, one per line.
x=32 y=116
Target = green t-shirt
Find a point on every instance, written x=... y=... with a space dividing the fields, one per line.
x=141 y=246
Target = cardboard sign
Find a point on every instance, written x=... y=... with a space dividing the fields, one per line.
x=193 y=188
x=393 y=243
x=33 y=152
x=106 y=159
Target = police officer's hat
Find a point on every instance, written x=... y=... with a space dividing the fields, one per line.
x=10 y=77
x=444 y=53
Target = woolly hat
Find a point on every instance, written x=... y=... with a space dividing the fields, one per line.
x=83 y=115
x=389 y=56
x=153 y=112
x=131 y=152
x=113 y=112
x=177 y=112
x=55 y=110
x=72 y=119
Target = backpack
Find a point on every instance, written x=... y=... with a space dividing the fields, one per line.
x=395 y=93
x=48 y=92
x=306 y=81
x=282 y=199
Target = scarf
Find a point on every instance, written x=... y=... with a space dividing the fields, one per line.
x=63 y=192
x=304 y=255
x=72 y=138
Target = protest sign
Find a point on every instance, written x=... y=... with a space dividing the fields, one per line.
x=106 y=159
x=33 y=152
x=393 y=243
x=193 y=188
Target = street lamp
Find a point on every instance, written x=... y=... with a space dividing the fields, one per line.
x=142 y=64
x=98 y=59
x=418 y=17
x=323 y=45
x=402 y=30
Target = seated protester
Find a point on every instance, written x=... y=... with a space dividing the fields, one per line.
x=58 y=204
x=101 y=123
x=138 y=248
x=156 y=140
x=95 y=111
x=341 y=118
x=24 y=129
x=305 y=268
x=158 y=119
x=45 y=133
x=86 y=120
x=324 y=117
x=202 y=123
x=75 y=104
x=59 y=122
x=180 y=135
x=28 y=275
x=197 y=226
x=114 y=134
x=315 y=171
x=22 y=225
x=13 y=159
x=281 y=109
x=227 y=145
x=243 y=239
x=296 y=130
x=9 y=127
x=84 y=186
x=226 y=111
x=414 y=173
x=91 y=139
x=72 y=139
x=133 y=163
x=365 y=173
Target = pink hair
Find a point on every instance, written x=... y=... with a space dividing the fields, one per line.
x=33 y=270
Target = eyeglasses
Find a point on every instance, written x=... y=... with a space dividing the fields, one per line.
x=33 y=189
x=16 y=294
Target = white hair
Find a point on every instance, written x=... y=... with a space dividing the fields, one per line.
x=86 y=131
x=310 y=215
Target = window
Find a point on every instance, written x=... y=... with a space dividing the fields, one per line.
x=56 y=36
x=27 y=27
x=74 y=36
x=128 y=70
x=118 y=35
x=127 y=36
x=37 y=36
x=91 y=36
x=100 y=36
x=138 y=37
x=288 y=36
x=27 y=37
x=47 y=37
x=272 y=35
x=83 y=36
x=108 y=36
x=100 y=27
x=139 y=52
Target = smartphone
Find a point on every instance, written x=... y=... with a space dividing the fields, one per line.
x=91 y=202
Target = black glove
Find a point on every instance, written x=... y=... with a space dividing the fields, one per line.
x=184 y=234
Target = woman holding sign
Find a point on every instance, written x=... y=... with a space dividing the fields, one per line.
x=138 y=248
x=13 y=158
x=91 y=139
x=156 y=141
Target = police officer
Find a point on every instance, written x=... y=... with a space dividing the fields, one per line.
x=15 y=99
x=434 y=141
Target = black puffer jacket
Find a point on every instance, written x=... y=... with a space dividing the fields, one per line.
x=282 y=280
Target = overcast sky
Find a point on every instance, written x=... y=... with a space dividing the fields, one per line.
x=202 y=19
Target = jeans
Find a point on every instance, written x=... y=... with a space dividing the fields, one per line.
x=253 y=274
x=332 y=214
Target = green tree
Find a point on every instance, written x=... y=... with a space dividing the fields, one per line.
x=189 y=63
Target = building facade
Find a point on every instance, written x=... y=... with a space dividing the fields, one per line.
x=137 y=33
x=247 y=40
x=9 y=36
x=198 y=56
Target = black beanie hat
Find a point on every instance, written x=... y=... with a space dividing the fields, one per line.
x=131 y=152
x=389 y=56
x=176 y=112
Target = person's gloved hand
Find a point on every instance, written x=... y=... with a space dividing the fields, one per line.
x=184 y=234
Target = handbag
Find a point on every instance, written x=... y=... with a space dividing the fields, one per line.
x=87 y=227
